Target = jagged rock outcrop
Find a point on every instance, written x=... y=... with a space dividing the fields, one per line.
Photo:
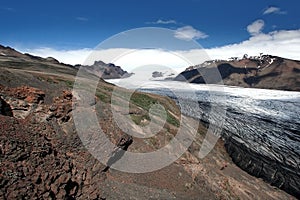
x=157 y=74
x=61 y=107
x=28 y=94
x=21 y=101
x=105 y=71
x=52 y=60
x=8 y=51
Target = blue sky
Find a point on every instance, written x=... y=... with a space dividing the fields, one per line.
x=73 y=25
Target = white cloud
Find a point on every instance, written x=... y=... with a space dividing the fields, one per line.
x=256 y=27
x=189 y=33
x=152 y=59
x=8 y=9
x=284 y=43
x=66 y=56
x=273 y=9
x=84 y=19
x=161 y=21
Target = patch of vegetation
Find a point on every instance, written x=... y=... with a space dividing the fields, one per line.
x=40 y=78
x=137 y=119
x=172 y=120
x=15 y=64
x=109 y=89
x=145 y=101
x=142 y=100
x=47 y=79
x=103 y=97
x=68 y=83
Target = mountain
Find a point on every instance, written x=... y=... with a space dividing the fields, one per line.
x=105 y=71
x=43 y=157
x=13 y=54
x=163 y=75
x=99 y=68
x=265 y=71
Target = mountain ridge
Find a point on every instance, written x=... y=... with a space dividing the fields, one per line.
x=99 y=68
x=105 y=70
x=264 y=71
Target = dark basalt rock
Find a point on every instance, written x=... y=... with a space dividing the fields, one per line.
x=157 y=74
x=5 y=108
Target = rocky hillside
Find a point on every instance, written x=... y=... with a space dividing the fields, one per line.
x=42 y=157
x=105 y=71
x=12 y=54
x=99 y=68
x=266 y=71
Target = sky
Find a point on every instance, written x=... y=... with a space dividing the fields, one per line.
x=70 y=30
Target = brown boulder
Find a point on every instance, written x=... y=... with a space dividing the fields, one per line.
x=29 y=94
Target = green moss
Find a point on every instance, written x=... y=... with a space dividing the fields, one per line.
x=69 y=83
x=104 y=94
x=145 y=101
x=142 y=100
x=103 y=97
x=172 y=120
x=137 y=119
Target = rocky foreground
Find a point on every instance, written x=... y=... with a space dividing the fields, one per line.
x=43 y=158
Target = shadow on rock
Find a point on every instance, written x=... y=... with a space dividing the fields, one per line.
x=120 y=150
